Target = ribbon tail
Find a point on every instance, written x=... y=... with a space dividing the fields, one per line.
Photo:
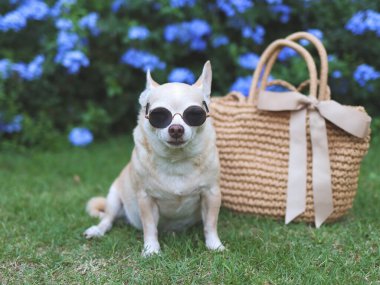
x=296 y=192
x=322 y=190
x=347 y=118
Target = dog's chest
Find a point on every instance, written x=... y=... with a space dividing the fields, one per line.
x=178 y=192
x=180 y=207
x=174 y=180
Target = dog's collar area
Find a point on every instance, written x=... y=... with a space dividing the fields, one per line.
x=148 y=105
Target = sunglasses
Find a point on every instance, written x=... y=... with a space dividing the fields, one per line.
x=161 y=117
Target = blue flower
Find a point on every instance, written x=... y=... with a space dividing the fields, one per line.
x=74 y=60
x=20 y=69
x=64 y=24
x=242 y=84
x=80 y=137
x=157 y=6
x=13 y=21
x=142 y=60
x=315 y=32
x=231 y=7
x=14 y=126
x=365 y=73
x=90 y=22
x=182 y=3
x=198 y=28
x=138 y=33
x=192 y=32
x=61 y=7
x=29 y=10
x=30 y=71
x=35 y=68
x=5 y=66
x=198 y=44
x=331 y=57
x=257 y=35
x=363 y=21
x=286 y=53
x=276 y=88
x=66 y=41
x=173 y=32
x=283 y=10
x=221 y=40
x=271 y=2
x=34 y=10
x=249 y=61
x=336 y=74
x=117 y=4
x=236 y=23
x=357 y=23
x=181 y=74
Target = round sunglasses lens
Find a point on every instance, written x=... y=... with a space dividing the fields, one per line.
x=194 y=116
x=160 y=118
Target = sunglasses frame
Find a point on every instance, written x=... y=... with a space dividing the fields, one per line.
x=147 y=113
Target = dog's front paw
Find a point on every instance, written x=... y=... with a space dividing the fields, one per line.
x=92 y=232
x=214 y=244
x=151 y=249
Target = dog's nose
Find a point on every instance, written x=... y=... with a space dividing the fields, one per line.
x=176 y=131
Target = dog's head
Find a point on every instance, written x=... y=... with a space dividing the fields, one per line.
x=174 y=113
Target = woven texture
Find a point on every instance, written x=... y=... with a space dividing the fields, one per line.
x=254 y=153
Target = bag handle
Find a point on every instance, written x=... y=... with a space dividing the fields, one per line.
x=283 y=83
x=306 y=83
x=323 y=74
x=265 y=57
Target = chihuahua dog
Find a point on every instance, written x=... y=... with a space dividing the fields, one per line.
x=171 y=181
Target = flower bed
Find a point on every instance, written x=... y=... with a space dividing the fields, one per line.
x=69 y=63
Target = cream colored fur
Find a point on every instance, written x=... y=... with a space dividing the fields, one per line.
x=167 y=187
x=96 y=207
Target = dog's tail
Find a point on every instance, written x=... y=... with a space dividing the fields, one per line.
x=96 y=207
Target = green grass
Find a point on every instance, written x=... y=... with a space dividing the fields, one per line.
x=42 y=217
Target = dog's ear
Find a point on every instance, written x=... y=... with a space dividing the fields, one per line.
x=204 y=81
x=150 y=84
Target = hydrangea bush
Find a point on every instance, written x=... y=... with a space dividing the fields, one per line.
x=74 y=68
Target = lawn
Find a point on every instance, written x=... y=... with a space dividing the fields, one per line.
x=42 y=217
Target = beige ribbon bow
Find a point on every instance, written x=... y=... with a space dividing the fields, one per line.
x=349 y=119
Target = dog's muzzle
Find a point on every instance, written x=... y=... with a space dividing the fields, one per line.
x=176 y=131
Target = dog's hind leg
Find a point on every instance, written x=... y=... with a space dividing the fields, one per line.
x=113 y=209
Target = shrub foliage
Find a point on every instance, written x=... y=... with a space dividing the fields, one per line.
x=76 y=63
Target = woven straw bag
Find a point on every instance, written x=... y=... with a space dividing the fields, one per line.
x=284 y=154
